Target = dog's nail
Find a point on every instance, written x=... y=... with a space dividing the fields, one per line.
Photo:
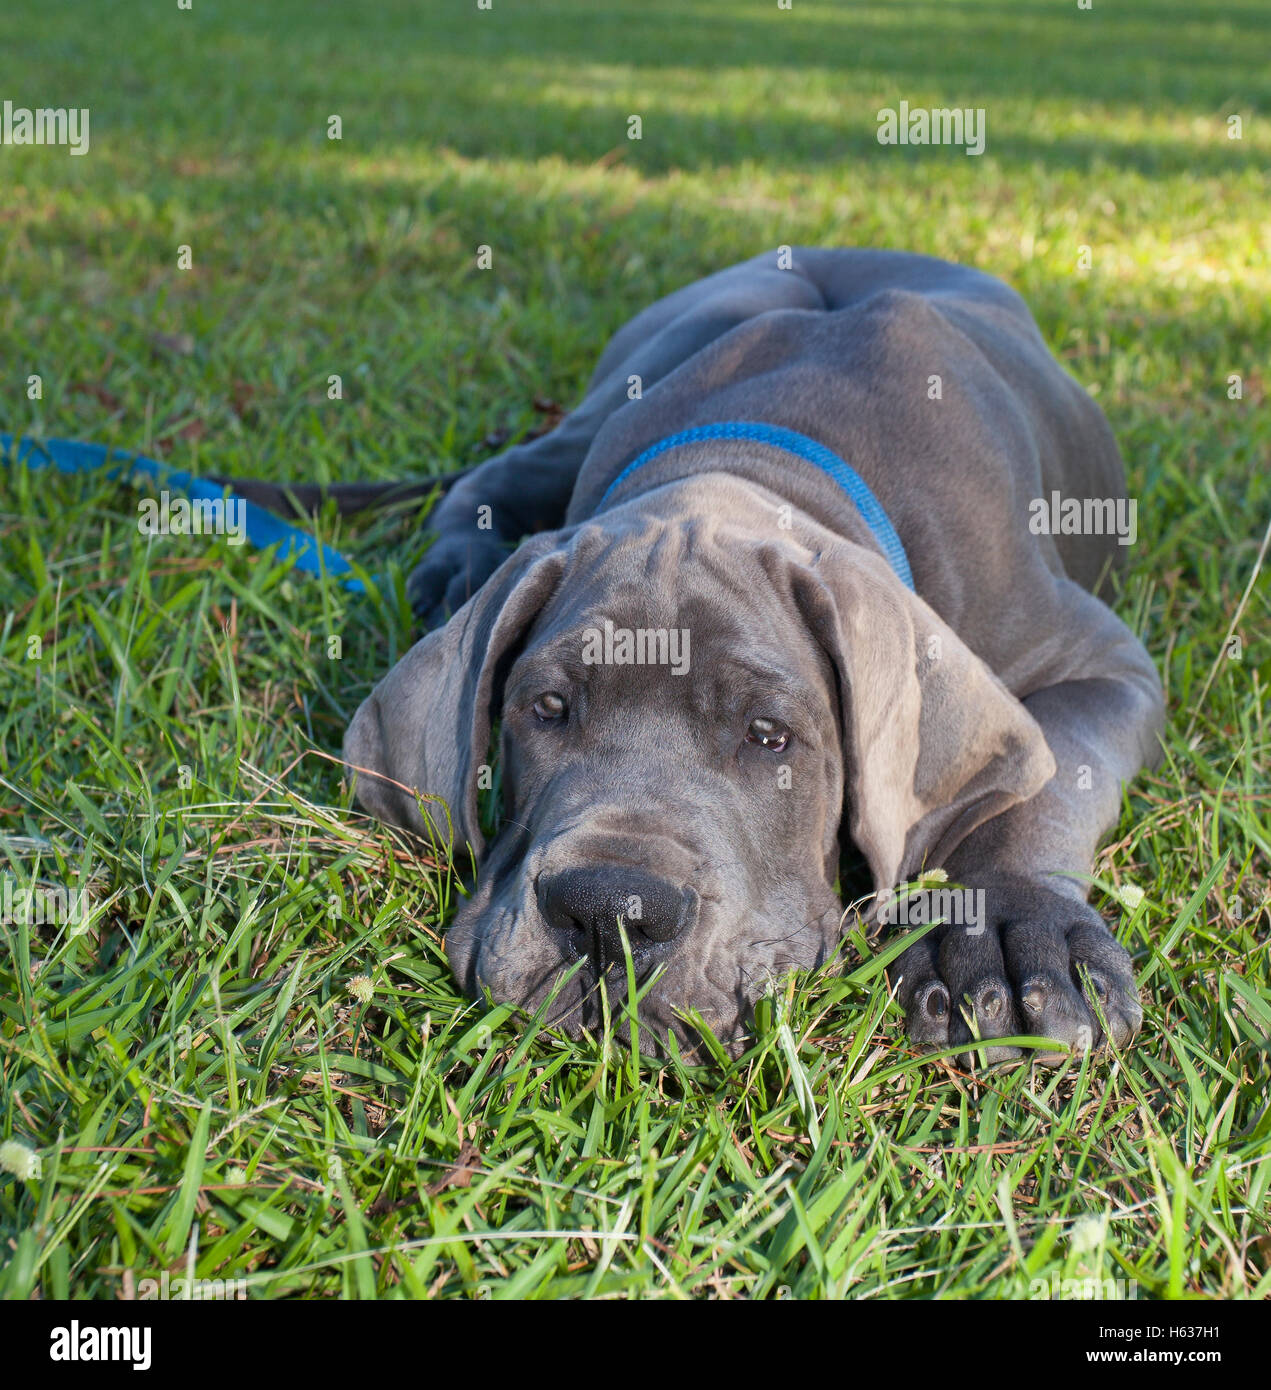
x=1033 y=997
x=935 y=1003
x=991 y=1003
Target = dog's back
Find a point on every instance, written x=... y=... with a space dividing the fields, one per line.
x=930 y=379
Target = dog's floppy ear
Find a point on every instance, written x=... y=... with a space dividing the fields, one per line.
x=426 y=725
x=933 y=743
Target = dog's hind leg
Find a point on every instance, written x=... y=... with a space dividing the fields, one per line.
x=528 y=487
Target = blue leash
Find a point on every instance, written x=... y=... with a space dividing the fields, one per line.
x=263 y=528
x=313 y=557
x=810 y=451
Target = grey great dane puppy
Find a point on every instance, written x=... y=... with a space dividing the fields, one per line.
x=710 y=678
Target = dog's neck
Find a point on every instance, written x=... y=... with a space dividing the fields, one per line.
x=797 y=447
x=790 y=490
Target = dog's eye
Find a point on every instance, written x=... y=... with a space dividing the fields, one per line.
x=550 y=707
x=767 y=733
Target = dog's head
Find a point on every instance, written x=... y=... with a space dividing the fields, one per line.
x=694 y=692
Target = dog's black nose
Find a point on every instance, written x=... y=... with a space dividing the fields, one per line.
x=590 y=900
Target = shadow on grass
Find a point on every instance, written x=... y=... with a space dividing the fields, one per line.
x=530 y=82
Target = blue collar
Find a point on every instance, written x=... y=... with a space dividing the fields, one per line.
x=802 y=447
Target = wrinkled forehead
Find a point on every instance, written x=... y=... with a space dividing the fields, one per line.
x=650 y=571
x=675 y=607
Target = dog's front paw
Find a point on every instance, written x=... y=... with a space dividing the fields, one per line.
x=1014 y=956
x=456 y=566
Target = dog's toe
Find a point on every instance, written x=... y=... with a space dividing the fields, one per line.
x=1051 y=1008
x=1100 y=966
x=984 y=1012
x=971 y=965
x=928 y=1018
x=923 y=995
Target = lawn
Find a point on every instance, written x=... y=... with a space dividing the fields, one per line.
x=253 y=1065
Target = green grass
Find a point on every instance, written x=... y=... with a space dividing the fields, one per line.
x=201 y=1082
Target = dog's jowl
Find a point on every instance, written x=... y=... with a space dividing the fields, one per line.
x=786 y=599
